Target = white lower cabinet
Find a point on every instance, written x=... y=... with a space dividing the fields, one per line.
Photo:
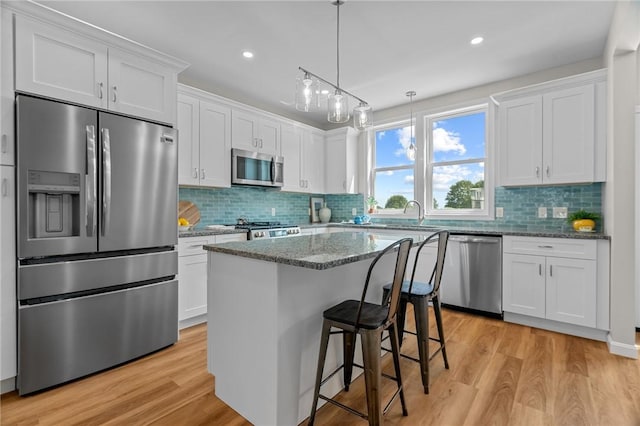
x=192 y=276
x=557 y=279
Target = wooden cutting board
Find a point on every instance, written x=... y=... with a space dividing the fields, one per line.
x=189 y=211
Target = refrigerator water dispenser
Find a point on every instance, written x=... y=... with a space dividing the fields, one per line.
x=54 y=201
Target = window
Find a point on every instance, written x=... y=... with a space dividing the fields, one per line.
x=393 y=171
x=455 y=167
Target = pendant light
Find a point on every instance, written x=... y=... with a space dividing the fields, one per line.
x=338 y=101
x=411 y=150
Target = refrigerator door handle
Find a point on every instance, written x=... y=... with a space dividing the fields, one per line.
x=90 y=181
x=106 y=181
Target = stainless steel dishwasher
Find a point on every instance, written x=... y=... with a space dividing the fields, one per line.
x=472 y=277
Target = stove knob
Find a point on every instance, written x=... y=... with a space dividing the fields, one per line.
x=295 y=231
x=256 y=235
x=289 y=231
x=262 y=233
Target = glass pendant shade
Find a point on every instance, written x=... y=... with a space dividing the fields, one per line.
x=306 y=93
x=411 y=152
x=362 y=116
x=338 y=105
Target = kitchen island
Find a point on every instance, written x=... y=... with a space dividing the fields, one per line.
x=266 y=299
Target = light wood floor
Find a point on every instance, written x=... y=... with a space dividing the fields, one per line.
x=501 y=374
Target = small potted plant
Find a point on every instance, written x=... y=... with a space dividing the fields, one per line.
x=372 y=203
x=583 y=221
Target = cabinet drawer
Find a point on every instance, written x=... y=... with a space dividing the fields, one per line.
x=223 y=238
x=193 y=245
x=559 y=247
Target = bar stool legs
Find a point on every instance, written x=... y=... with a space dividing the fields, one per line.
x=371 y=347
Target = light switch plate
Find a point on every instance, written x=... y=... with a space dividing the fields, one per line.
x=499 y=211
x=354 y=211
x=542 y=212
x=273 y=211
x=560 y=212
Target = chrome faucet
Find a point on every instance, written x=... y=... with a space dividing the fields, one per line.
x=420 y=211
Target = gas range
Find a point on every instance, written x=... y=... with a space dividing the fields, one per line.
x=265 y=230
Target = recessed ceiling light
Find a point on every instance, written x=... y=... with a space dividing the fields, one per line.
x=247 y=54
x=477 y=40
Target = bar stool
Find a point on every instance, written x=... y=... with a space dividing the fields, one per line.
x=419 y=294
x=368 y=320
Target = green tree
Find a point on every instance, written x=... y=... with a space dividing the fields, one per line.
x=459 y=195
x=435 y=203
x=396 y=202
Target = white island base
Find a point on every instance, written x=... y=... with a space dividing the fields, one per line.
x=264 y=323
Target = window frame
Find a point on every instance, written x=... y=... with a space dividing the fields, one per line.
x=423 y=166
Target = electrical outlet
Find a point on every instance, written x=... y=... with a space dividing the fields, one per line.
x=273 y=211
x=560 y=212
x=542 y=212
x=354 y=211
x=499 y=211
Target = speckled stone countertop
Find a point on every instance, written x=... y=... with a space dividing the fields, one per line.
x=201 y=232
x=485 y=230
x=319 y=251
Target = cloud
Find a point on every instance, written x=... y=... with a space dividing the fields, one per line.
x=446 y=176
x=445 y=141
x=404 y=139
x=409 y=179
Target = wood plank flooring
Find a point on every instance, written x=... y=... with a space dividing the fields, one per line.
x=501 y=374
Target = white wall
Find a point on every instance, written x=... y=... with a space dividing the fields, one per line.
x=621 y=61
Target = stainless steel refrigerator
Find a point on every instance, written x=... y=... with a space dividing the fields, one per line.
x=97 y=215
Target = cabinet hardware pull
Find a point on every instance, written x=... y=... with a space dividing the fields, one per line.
x=196 y=245
x=537 y=171
x=542 y=246
x=255 y=142
x=195 y=172
x=100 y=90
x=540 y=269
x=115 y=97
x=548 y=173
x=550 y=270
x=4 y=144
x=201 y=173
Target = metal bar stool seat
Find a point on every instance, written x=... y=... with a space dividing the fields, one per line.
x=419 y=294
x=369 y=320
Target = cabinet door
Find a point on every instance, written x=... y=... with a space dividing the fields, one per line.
x=215 y=145
x=140 y=87
x=8 y=367
x=521 y=141
x=269 y=136
x=244 y=130
x=313 y=163
x=53 y=62
x=523 y=284
x=192 y=295
x=224 y=238
x=341 y=162
x=188 y=124
x=571 y=291
x=292 y=139
x=568 y=135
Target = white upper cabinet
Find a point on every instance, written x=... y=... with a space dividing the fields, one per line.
x=8 y=339
x=554 y=135
x=303 y=152
x=59 y=63
x=341 y=161
x=204 y=147
x=253 y=132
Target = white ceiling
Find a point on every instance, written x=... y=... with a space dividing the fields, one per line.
x=386 y=47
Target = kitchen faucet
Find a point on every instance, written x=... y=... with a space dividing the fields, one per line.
x=420 y=211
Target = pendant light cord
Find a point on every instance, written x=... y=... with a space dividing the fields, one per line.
x=338 y=44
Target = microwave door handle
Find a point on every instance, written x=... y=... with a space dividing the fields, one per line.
x=91 y=181
x=273 y=170
x=106 y=181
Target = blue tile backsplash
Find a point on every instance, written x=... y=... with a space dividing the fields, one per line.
x=225 y=205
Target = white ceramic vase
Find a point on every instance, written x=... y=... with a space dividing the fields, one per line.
x=324 y=213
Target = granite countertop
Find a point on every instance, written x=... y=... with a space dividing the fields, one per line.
x=204 y=231
x=485 y=230
x=319 y=251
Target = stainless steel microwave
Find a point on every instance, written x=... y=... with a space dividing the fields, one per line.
x=256 y=168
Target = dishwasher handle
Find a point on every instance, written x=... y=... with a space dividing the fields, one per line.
x=468 y=239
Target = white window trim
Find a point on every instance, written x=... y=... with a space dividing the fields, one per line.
x=420 y=187
x=489 y=165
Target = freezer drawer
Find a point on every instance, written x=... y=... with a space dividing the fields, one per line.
x=68 y=339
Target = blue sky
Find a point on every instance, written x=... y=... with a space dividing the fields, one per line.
x=455 y=139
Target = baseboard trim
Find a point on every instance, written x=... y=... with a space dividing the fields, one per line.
x=8 y=385
x=622 y=349
x=559 y=327
x=189 y=322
